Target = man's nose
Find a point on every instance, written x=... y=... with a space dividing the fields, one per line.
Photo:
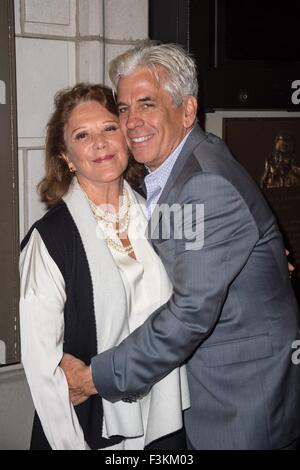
x=134 y=120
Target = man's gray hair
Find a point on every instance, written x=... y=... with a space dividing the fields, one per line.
x=181 y=73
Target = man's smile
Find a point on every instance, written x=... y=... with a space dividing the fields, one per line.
x=138 y=140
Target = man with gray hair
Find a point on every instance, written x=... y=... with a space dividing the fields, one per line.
x=233 y=315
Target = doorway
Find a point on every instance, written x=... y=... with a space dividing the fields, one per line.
x=9 y=226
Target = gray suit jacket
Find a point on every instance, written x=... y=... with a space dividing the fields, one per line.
x=232 y=316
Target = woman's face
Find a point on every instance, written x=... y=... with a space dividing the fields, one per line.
x=96 y=147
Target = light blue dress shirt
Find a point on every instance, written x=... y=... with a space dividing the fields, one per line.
x=156 y=180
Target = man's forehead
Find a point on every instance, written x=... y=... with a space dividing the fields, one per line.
x=141 y=80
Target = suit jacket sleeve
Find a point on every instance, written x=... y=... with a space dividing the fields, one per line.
x=201 y=281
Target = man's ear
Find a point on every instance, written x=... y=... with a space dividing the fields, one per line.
x=190 y=111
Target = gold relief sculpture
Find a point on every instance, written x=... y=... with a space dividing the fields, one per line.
x=280 y=170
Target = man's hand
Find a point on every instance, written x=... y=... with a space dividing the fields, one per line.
x=79 y=378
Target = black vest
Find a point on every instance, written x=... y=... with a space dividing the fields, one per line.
x=63 y=242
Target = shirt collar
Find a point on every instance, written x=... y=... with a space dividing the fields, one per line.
x=162 y=173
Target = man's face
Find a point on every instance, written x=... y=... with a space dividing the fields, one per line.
x=152 y=124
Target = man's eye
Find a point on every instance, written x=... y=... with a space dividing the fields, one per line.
x=147 y=105
x=122 y=110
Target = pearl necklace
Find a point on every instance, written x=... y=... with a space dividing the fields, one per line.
x=113 y=217
x=108 y=219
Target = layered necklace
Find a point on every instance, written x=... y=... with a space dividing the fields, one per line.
x=109 y=221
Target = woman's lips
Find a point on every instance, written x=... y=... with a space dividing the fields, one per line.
x=103 y=159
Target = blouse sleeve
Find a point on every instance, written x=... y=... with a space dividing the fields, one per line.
x=42 y=330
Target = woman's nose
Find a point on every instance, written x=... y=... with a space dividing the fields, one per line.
x=98 y=140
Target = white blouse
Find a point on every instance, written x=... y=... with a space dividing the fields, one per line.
x=42 y=329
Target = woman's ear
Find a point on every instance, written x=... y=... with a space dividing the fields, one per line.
x=64 y=157
x=190 y=111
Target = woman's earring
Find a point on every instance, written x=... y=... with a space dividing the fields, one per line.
x=72 y=169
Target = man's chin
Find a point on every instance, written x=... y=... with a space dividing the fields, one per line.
x=143 y=159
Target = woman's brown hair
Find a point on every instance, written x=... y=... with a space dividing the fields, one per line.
x=58 y=176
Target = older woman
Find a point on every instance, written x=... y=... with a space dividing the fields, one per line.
x=88 y=278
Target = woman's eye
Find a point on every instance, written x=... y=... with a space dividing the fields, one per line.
x=82 y=136
x=111 y=128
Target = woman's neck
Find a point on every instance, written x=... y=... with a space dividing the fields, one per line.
x=103 y=193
